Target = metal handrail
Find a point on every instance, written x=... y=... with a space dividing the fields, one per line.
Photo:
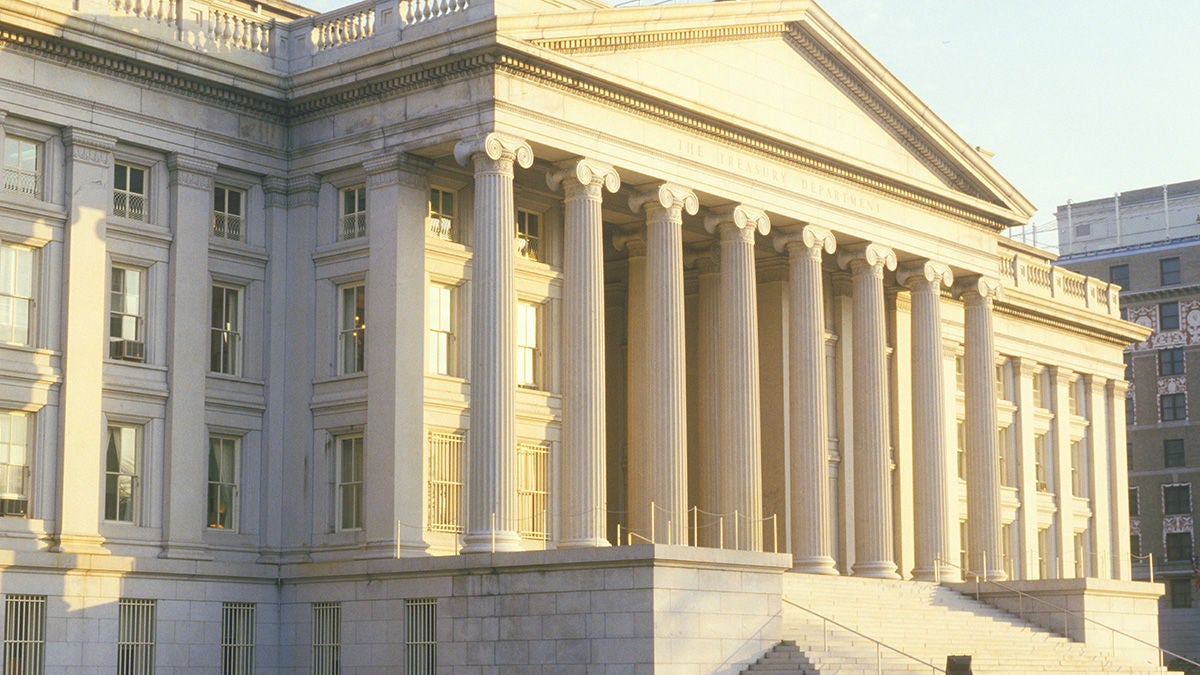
x=878 y=644
x=1021 y=595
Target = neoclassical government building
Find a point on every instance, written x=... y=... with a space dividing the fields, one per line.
x=331 y=340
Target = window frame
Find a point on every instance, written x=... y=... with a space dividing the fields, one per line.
x=25 y=630
x=15 y=502
x=440 y=223
x=1176 y=411
x=1174 y=453
x=1174 y=548
x=238 y=637
x=136 y=635
x=226 y=223
x=1135 y=502
x=120 y=347
x=12 y=287
x=348 y=487
x=530 y=246
x=442 y=336
x=226 y=482
x=128 y=193
x=352 y=212
x=531 y=358
x=1171 y=361
x=1168 y=320
x=19 y=173
x=352 y=338
x=1169 y=271
x=1177 y=499
x=1115 y=278
x=225 y=358
x=1179 y=593
x=134 y=476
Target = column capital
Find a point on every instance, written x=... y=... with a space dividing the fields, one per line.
x=706 y=258
x=633 y=241
x=807 y=236
x=390 y=168
x=275 y=189
x=984 y=288
x=742 y=217
x=1026 y=366
x=924 y=272
x=1119 y=387
x=303 y=190
x=585 y=172
x=876 y=256
x=496 y=147
x=667 y=196
x=89 y=147
x=191 y=171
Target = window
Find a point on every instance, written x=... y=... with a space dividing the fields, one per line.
x=1168 y=316
x=222 y=482
x=352 y=330
x=1173 y=454
x=1170 y=361
x=24 y=634
x=961 y=454
x=529 y=235
x=1179 y=546
x=1083 y=230
x=237 y=638
x=1174 y=407
x=1130 y=410
x=1082 y=555
x=121 y=489
x=1119 y=275
x=442 y=224
x=533 y=490
x=225 y=336
x=1006 y=557
x=440 y=350
x=1177 y=500
x=445 y=481
x=1181 y=593
x=960 y=375
x=126 y=315
x=1134 y=505
x=23 y=167
x=1079 y=483
x=16 y=294
x=349 y=480
x=420 y=636
x=135 y=637
x=353 y=221
x=1077 y=396
x=529 y=345
x=1168 y=271
x=14 y=463
x=1043 y=552
x=1004 y=390
x=228 y=213
x=326 y=638
x=1135 y=545
x=129 y=192
x=1004 y=447
x=963 y=559
x=1127 y=357
x=1041 y=451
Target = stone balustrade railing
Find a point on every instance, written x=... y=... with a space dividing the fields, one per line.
x=418 y=11
x=1035 y=275
x=346 y=25
x=161 y=11
x=219 y=30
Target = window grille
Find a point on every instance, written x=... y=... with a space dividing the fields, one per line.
x=350 y=482
x=326 y=638
x=129 y=192
x=16 y=294
x=445 y=481
x=24 y=634
x=441 y=329
x=533 y=490
x=222 y=482
x=420 y=636
x=237 y=638
x=529 y=235
x=352 y=330
x=126 y=316
x=228 y=216
x=135 y=637
x=23 y=167
x=121 y=484
x=353 y=222
x=225 y=343
x=14 y=463
x=441 y=221
x=529 y=345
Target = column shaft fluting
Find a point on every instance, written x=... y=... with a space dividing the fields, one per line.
x=812 y=542
x=637 y=500
x=708 y=346
x=583 y=446
x=983 y=451
x=492 y=478
x=931 y=490
x=872 y=484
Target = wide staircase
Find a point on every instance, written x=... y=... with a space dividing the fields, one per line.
x=923 y=620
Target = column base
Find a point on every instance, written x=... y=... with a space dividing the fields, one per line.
x=880 y=569
x=948 y=575
x=80 y=544
x=820 y=564
x=491 y=542
x=591 y=542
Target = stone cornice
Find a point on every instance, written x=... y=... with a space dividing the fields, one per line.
x=86 y=146
x=1160 y=293
x=1054 y=317
x=650 y=40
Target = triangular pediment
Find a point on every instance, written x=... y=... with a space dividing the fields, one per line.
x=788 y=70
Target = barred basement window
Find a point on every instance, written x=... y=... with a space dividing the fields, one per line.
x=24 y=634
x=326 y=638
x=237 y=638
x=135 y=637
x=353 y=221
x=23 y=167
x=420 y=636
x=445 y=481
x=533 y=490
x=129 y=192
x=228 y=216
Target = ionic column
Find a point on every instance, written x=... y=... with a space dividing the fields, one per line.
x=930 y=475
x=636 y=499
x=983 y=453
x=872 y=487
x=740 y=433
x=492 y=512
x=666 y=407
x=708 y=359
x=809 y=512
x=583 y=440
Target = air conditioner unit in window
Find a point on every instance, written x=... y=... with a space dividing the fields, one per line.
x=127 y=350
x=14 y=507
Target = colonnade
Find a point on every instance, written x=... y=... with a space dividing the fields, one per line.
x=656 y=384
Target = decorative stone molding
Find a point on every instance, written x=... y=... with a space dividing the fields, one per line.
x=275 y=190
x=191 y=171
x=624 y=41
x=397 y=167
x=632 y=241
x=496 y=146
x=667 y=196
x=749 y=219
x=89 y=147
x=588 y=174
x=303 y=191
x=704 y=258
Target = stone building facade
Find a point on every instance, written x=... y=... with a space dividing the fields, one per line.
x=1148 y=242
x=331 y=339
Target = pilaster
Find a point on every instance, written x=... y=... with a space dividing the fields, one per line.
x=1101 y=491
x=277 y=367
x=708 y=358
x=1064 y=550
x=634 y=243
x=1118 y=476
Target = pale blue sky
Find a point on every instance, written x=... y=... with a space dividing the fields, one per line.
x=1078 y=98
